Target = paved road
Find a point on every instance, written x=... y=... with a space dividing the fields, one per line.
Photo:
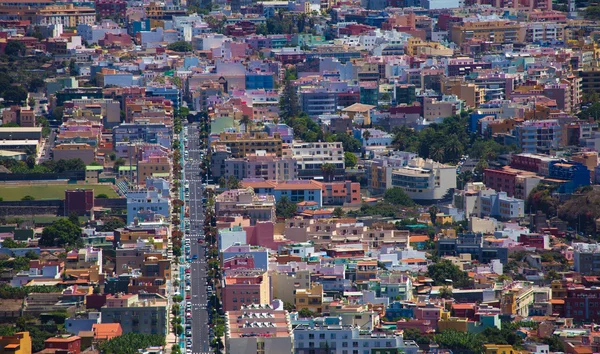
x=200 y=337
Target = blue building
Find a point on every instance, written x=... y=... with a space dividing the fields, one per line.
x=397 y=310
x=474 y=118
x=260 y=80
x=502 y=206
x=170 y=93
x=574 y=174
x=472 y=243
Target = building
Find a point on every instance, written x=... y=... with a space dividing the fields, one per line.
x=67 y=15
x=541 y=136
x=79 y=201
x=20 y=343
x=500 y=31
x=424 y=180
x=146 y=201
x=295 y=190
x=245 y=287
x=67 y=344
x=19 y=115
x=139 y=313
x=342 y=339
x=259 y=329
x=262 y=165
x=312 y=156
x=500 y=205
x=586 y=258
x=245 y=202
x=85 y=152
x=472 y=243
x=242 y=144
x=310 y=298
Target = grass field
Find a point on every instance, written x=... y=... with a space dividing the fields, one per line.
x=51 y=191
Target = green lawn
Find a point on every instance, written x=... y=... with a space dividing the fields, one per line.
x=51 y=191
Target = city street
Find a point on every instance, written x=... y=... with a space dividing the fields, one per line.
x=200 y=336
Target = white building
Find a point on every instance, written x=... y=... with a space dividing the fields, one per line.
x=348 y=339
x=424 y=179
x=150 y=201
x=311 y=156
x=264 y=329
x=230 y=237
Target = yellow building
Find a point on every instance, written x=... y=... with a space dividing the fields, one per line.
x=417 y=47
x=441 y=219
x=153 y=165
x=494 y=31
x=516 y=299
x=311 y=298
x=243 y=144
x=452 y=323
x=67 y=15
x=20 y=343
x=499 y=349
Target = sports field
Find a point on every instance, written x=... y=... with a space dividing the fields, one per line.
x=11 y=192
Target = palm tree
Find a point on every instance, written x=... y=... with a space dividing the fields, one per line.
x=366 y=135
x=437 y=153
x=328 y=170
x=246 y=121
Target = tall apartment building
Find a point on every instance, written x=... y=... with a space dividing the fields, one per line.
x=311 y=156
x=257 y=207
x=500 y=31
x=245 y=287
x=139 y=313
x=586 y=258
x=242 y=144
x=539 y=136
x=425 y=179
x=544 y=32
x=68 y=15
x=262 y=165
x=264 y=329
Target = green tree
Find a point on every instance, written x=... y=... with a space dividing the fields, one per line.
x=328 y=170
x=27 y=197
x=180 y=46
x=445 y=270
x=112 y=224
x=592 y=13
x=285 y=208
x=246 y=122
x=15 y=95
x=397 y=196
x=58 y=112
x=10 y=243
x=350 y=159
x=288 y=104
x=74 y=218
x=102 y=196
x=233 y=183
x=306 y=313
x=445 y=293
x=61 y=233
x=455 y=340
x=338 y=212
x=15 y=48
x=130 y=343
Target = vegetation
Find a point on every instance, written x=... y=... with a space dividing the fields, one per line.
x=51 y=191
x=350 y=159
x=397 y=196
x=130 y=343
x=381 y=208
x=540 y=199
x=180 y=46
x=285 y=208
x=61 y=233
x=112 y=224
x=306 y=313
x=581 y=211
x=50 y=166
x=9 y=292
x=440 y=271
x=10 y=243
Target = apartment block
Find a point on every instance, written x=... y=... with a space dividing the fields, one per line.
x=256 y=207
x=146 y=201
x=139 y=313
x=243 y=287
x=242 y=144
x=586 y=258
x=500 y=31
x=259 y=329
x=85 y=152
x=262 y=165
x=312 y=156
x=424 y=179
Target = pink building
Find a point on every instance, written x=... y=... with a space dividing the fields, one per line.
x=429 y=312
x=262 y=165
x=245 y=287
x=262 y=234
